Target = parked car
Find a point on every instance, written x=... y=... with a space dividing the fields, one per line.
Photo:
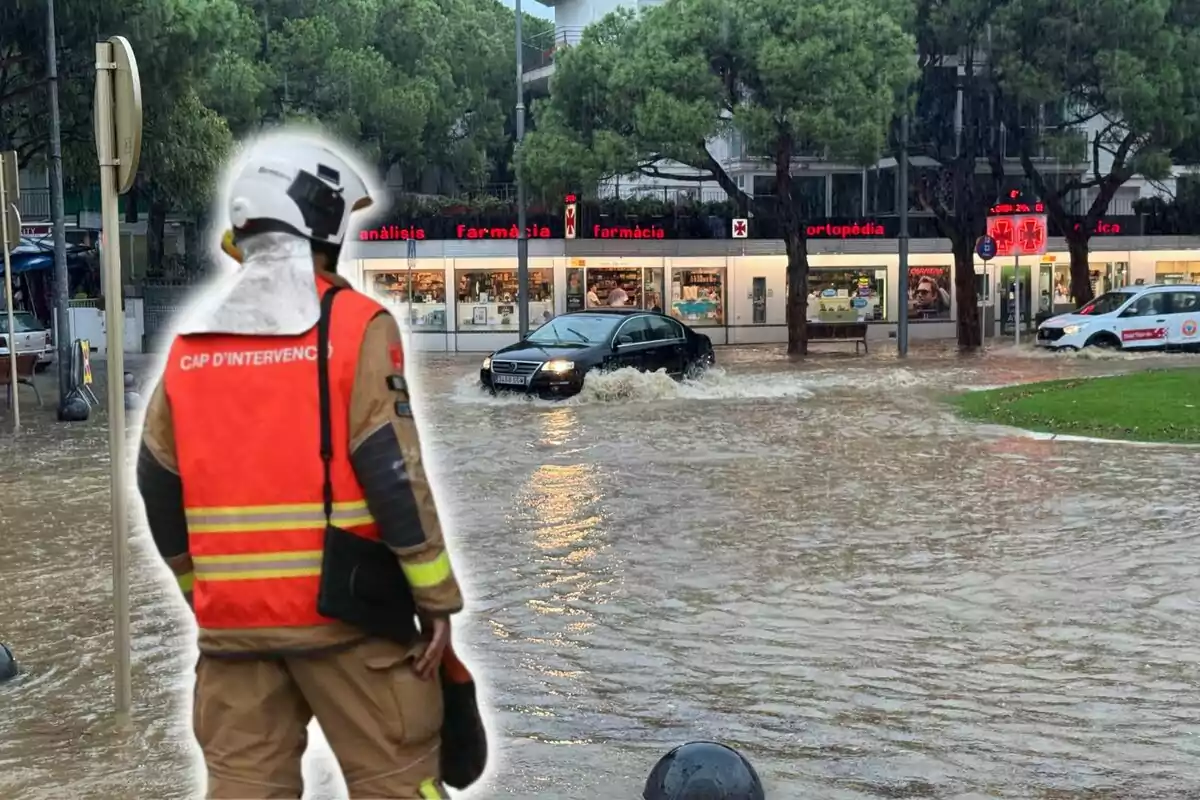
x=553 y=360
x=31 y=335
x=1161 y=316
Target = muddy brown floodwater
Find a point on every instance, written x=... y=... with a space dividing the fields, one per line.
x=818 y=564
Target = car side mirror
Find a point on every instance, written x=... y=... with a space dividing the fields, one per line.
x=624 y=338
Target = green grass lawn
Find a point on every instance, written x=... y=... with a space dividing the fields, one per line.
x=1153 y=406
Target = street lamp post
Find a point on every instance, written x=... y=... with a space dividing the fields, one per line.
x=62 y=319
x=902 y=327
x=522 y=241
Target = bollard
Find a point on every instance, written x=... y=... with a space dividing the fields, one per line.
x=8 y=663
x=132 y=398
x=703 y=771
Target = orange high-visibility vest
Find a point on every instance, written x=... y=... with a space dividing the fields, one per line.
x=247 y=427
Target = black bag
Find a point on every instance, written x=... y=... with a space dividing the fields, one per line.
x=361 y=580
x=464 y=739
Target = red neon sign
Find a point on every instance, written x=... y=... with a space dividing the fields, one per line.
x=1015 y=204
x=855 y=230
x=1103 y=228
x=628 y=232
x=394 y=233
x=1019 y=236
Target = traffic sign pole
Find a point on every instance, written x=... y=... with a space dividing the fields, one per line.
x=118 y=114
x=985 y=248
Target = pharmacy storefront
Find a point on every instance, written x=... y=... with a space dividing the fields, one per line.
x=461 y=295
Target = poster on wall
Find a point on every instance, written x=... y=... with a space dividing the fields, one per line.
x=929 y=293
x=575 y=292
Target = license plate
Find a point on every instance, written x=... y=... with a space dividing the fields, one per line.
x=509 y=380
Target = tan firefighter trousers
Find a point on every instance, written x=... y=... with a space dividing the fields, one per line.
x=382 y=722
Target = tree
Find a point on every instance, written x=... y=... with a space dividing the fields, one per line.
x=24 y=117
x=954 y=124
x=646 y=94
x=425 y=86
x=1137 y=83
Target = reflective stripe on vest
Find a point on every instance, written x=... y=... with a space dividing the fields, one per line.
x=248 y=446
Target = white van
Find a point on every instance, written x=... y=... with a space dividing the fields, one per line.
x=1131 y=318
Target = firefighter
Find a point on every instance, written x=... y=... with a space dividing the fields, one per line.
x=284 y=508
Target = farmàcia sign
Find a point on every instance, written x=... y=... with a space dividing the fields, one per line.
x=657 y=228
x=393 y=233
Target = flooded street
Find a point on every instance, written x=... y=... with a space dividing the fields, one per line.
x=818 y=564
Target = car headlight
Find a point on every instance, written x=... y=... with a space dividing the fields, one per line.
x=487 y=363
x=558 y=366
x=1071 y=330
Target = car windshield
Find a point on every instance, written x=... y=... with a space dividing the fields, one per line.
x=22 y=320
x=1104 y=304
x=576 y=329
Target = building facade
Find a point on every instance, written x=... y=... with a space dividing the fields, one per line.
x=460 y=295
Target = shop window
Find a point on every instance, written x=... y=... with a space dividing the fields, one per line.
x=614 y=286
x=845 y=295
x=653 y=296
x=1176 y=272
x=417 y=296
x=487 y=299
x=1106 y=276
x=847 y=195
x=698 y=296
x=929 y=293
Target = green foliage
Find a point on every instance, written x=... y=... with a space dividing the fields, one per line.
x=1133 y=66
x=423 y=85
x=641 y=89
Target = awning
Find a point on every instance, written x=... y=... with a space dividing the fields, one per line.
x=32 y=262
x=23 y=263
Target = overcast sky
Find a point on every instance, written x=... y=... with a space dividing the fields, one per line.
x=533 y=8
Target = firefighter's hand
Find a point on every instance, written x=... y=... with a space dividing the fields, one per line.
x=438 y=631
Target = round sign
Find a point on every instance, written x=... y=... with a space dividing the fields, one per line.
x=126 y=115
x=985 y=247
x=829 y=293
x=1189 y=327
x=859 y=302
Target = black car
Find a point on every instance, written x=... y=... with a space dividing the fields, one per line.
x=553 y=360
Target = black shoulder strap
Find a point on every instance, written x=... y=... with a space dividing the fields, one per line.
x=323 y=393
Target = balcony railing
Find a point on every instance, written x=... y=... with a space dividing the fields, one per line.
x=538 y=52
x=34 y=205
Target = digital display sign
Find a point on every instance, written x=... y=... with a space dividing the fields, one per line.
x=1018 y=225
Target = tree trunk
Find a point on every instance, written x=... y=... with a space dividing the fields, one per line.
x=965 y=296
x=193 y=245
x=797 y=294
x=156 y=224
x=1081 y=279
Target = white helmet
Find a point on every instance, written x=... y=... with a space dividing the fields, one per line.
x=297 y=183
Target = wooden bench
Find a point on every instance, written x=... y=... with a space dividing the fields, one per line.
x=26 y=363
x=839 y=332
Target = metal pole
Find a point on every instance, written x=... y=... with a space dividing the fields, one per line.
x=62 y=339
x=522 y=242
x=983 y=307
x=115 y=321
x=1017 y=301
x=11 y=338
x=902 y=328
